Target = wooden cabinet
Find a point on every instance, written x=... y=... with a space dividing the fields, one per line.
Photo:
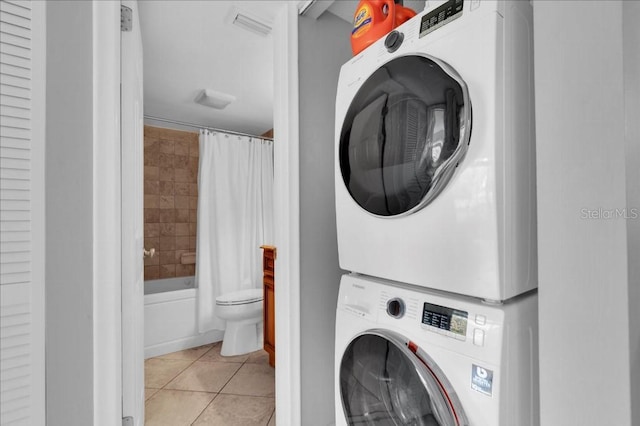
x=269 y=280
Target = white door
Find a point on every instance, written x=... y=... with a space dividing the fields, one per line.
x=132 y=216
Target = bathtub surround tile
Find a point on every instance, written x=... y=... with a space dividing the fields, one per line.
x=151 y=173
x=167 y=258
x=272 y=421
x=182 y=175
x=166 y=174
x=167 y=202
x=179 y=255
x=182 y=215
x=182 y=229
x=204 y=376
x=175 y=408
x=151 y=215
x=151 y=272
x=166 y=215
x=181 y=188
x=151 y=201
x=237 y=410
x=151 y=187
x=167 y=146
x=193 y=216
x=193 y=243
x=166 y=187
x=193 y=229
x=159 y=372
x=181 y=147
x=182 y=243
x=165 y=160
x=182 y=201
x=151 y=230
x=167 y=271
x=170 y=158
x=152 y=261
x=153 y=242
x=167 y=243
x=252 y=379
x=183 y=270
x=167 y=229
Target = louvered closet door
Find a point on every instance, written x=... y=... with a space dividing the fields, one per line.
x=22 y=79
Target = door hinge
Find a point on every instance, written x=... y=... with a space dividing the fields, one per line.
x=127 y=421
x=126 y=19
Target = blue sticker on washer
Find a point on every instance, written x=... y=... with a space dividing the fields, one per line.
x=481 y=380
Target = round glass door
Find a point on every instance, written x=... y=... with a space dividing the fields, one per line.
x=383 y=383
x=403 y=135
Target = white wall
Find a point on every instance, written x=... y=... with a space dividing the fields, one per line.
x=323 y=46
x=69 y=227
x=584 y=257
x=631 y=52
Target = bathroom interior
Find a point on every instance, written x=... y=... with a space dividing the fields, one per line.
x=208 y=211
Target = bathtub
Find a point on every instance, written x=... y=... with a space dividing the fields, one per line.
x=170 y=317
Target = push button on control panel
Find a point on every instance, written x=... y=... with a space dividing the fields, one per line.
x=478 y=337
x=481 y=319
x=393 y=41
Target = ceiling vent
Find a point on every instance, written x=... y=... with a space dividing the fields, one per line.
x=213 y=99
x=250 y=22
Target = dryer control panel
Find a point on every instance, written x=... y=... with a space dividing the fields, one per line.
x=444 y=320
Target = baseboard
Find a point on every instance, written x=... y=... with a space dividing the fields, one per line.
x=183 y=343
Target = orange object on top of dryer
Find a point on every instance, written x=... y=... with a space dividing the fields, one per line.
x=372 y=20
x=376 y=18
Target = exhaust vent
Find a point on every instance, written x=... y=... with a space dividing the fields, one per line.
x=213 y=99
x=250 y=22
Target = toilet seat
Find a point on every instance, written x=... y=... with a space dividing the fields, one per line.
x=242 y=297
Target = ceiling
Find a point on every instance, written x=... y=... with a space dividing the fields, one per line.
x=191 y=45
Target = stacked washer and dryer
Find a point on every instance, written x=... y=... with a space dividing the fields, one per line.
x=436 y=218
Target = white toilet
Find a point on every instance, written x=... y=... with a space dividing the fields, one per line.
x=243 y=312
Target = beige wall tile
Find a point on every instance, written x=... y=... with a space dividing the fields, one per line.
x=193 y=202
x=194 y=149
x=182 y=243
x=151 y=272
x=191 y=269
x=151 y=144
x=182 y=175
x=165 y=160
x=193 y=216
x=193 y=189
x=182 y=216
x=167 y=229
x=166 y=216
x=182 y=270
x=151 y=173
x=166 y=174
x=181 y=148
x=179 y=254
x=182 y=229
x=193 y=229
x=167 y=271
x=151 y=157
x=167 y=202
x=151 y=230
x=182 y=202
x=192 y=243
x=167 y=257
x=151 y=187
x=152 y=261
x=182 y=188
x=166 y=188
x=151 y=201
x=152 y=215
x=153 y=242
x=180 y=161
x=167 y=243
x=167 y=146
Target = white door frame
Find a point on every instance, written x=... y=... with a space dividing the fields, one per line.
x=287 y=215
x=107 y=208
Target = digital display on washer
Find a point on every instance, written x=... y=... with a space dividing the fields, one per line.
x=445 y=318
x=440 y=16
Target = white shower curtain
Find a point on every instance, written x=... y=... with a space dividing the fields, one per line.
x=235 y=217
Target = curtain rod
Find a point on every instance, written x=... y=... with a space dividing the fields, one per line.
x=198 y=126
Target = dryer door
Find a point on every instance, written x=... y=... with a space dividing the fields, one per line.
x=403 y=135
x=387 y=380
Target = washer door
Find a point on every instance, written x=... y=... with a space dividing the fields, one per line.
x=387 y=380
x=404 y=134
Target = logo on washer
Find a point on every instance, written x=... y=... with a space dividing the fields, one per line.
x=481 y=380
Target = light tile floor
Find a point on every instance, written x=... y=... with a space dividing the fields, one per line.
x=200 y=387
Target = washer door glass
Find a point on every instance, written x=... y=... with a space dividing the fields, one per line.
x=383 y=383
x=404 y=134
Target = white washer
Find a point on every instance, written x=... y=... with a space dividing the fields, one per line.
x=409 y=355
x=435 y=152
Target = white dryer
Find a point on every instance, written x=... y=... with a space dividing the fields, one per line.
x=435 y=152
x=406 y=355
